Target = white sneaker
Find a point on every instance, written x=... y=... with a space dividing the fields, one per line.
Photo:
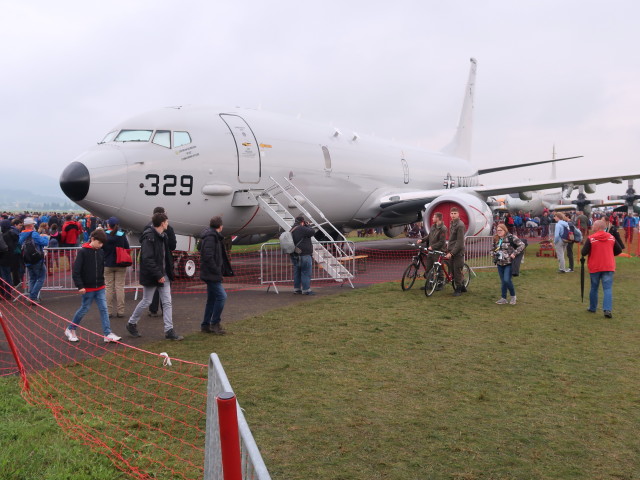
x=502 y=301
x=71 y=335
x=112 y=337
x=513 y=300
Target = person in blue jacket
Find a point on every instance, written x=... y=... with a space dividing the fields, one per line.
x=558 y=242
x=37 y=271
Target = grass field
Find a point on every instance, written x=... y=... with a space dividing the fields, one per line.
x=377 y=383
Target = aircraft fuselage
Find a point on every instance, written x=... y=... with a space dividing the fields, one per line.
x=230 y=157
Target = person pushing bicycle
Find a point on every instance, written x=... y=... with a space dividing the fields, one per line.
x=436 y=239
x=456 y=250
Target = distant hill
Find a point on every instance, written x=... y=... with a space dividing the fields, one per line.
x=32 y=191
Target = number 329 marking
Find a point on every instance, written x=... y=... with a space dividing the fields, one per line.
x=169 y=185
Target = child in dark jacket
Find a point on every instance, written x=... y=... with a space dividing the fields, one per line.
x=88 y=276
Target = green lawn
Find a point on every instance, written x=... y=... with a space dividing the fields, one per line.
x=377 y=383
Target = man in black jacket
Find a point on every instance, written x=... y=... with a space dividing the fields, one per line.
x=214 y=264
x=156 y=274
x=302 y=261
x=173 y=243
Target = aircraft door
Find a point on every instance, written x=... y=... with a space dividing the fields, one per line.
x=247 y=149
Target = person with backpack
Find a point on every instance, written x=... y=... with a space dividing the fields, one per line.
x=31 y=247
x=302 y=260
x=114 y=274
x=88 y=277
x=559 y=237
x=573 y=235
x=506 y=247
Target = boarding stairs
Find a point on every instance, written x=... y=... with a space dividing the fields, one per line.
x=294 y=198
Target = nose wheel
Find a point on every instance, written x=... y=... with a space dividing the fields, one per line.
x=186 y=267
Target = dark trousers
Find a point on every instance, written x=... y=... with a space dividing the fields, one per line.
x=155 y=303
x=6 y=283
x=570 y=254
x=216 y=298
x=457 y=262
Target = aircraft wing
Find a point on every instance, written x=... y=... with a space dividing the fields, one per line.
x=411 y=201
x=502 y=189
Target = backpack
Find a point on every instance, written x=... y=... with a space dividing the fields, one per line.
x=30 y=252
x=286 y=242
x=568 y=234
x=53 y=241
x=577 y=233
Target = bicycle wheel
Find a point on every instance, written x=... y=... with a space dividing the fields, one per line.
x=466 y=276
x=409 y=276
x=432 y=281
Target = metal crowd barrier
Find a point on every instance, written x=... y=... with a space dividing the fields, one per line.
x=478 y=252
x=253 y=467
x=59 y=262
x=275 y=265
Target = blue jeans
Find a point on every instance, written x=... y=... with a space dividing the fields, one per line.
x=5 y=288
x=100 y=297
x=302 y=272
x=607 y=286
x=504 y=272
x=216 y=298
x=37 y=275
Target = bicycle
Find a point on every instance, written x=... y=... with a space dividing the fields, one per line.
x=412 y=271
x=439 y=274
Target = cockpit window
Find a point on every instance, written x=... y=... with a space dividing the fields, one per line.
x=162 y=138
x=181 y=138
x=109 y=136
x=134 y=136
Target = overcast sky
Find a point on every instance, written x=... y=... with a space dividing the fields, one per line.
x=561 y=73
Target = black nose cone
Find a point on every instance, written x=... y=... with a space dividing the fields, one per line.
x=75 y=181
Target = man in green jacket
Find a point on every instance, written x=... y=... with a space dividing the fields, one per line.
x=456 y=250
x=435 y=240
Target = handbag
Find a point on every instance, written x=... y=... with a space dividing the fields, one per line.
x=123 y=257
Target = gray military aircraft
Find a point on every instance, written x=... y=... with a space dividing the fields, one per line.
x=199 y=161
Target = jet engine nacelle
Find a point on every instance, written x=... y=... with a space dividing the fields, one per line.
x=525 y=196
x=474 y=212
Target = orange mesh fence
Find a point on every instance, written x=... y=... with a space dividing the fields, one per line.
x=146 y=416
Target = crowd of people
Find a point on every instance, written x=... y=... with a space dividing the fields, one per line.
x=99 y=274
x=98 y=271
x=598 y=237
x=52 y=230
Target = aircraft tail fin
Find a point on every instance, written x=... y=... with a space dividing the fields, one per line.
x=460 y=146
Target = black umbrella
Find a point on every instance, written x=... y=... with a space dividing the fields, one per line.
x=582 y=279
